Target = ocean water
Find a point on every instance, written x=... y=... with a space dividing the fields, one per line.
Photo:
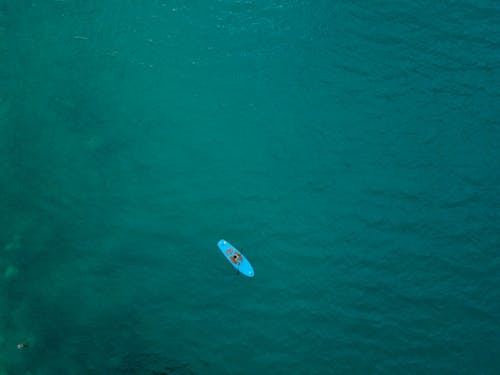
x=351 y=150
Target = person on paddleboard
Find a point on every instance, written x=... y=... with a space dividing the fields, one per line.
x=236 y=258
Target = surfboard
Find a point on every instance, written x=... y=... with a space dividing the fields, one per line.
x=236 y=258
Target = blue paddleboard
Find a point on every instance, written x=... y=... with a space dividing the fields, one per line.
x=236 y=258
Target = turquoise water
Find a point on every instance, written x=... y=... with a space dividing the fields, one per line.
x=350 y=149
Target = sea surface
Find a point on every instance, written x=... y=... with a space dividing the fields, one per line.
x=350 y=149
